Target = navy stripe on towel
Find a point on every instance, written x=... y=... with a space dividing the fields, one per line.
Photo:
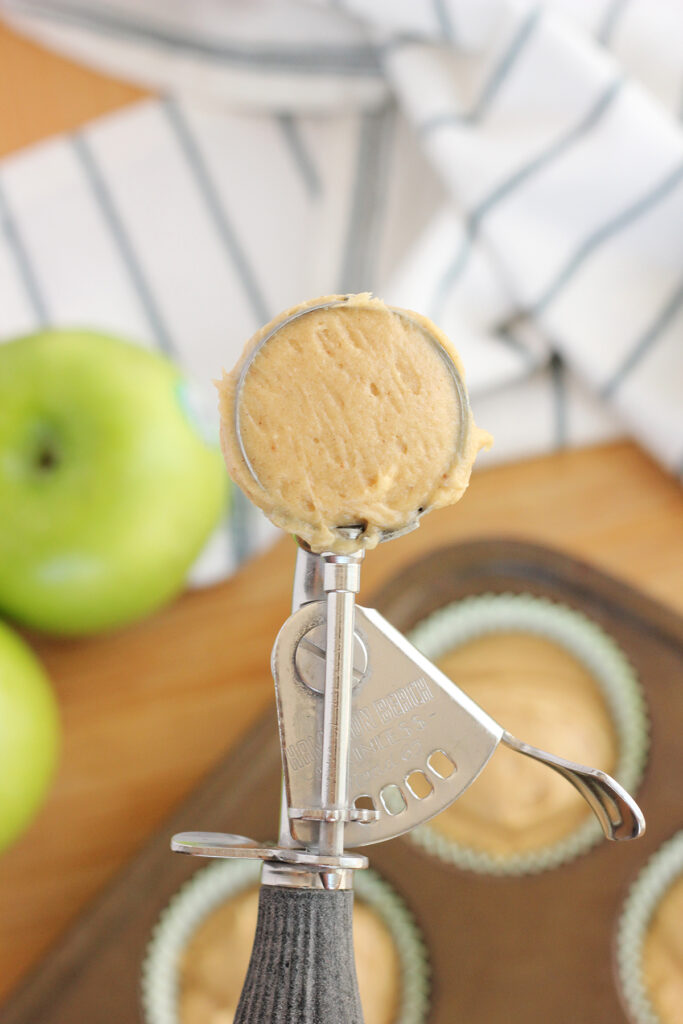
x=316 y=59
x=22 y=259
x=111 y=216
x=519 y=177
x=219 y=218
x=505 y=65
x=606 y=231
x=302 y=157
x=367 y=202
x=648 y=339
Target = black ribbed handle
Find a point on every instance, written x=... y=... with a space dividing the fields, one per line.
x=302 y=969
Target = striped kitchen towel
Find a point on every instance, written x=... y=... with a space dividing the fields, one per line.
x=514 y=170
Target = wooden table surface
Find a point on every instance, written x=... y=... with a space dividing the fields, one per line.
x=147 y=711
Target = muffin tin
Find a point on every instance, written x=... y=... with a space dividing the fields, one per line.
x=487 y=614
x=518 y=950
x=663 y=869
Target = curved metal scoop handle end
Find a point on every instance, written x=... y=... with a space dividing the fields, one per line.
x=619 y=815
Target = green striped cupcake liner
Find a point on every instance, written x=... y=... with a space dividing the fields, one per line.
x=213 y=885
x=456 y=624
x=644 y=896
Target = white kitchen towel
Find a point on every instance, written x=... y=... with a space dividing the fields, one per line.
x=514 y=170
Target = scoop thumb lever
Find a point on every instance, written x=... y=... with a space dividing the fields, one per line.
x=618 y=813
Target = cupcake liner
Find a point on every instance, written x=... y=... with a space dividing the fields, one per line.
x=457 y=623
x=213 y=885
x=644 y=896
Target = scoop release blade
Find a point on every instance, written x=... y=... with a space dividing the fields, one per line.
x=417 y=741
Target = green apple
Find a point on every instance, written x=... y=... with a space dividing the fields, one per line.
x=109 y=485
x=29 y=735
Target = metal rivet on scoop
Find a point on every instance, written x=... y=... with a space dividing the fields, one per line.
x=309 y=658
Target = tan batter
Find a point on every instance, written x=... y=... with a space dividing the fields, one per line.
x=215 y=963
x=663 y=956
x=348 y=416
x=544 y=696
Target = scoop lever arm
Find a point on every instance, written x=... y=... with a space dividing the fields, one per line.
x=617 y=811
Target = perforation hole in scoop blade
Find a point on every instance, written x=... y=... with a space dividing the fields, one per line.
x=441 y=764
x=419 y=785
x=364 y=802
x=393 y=799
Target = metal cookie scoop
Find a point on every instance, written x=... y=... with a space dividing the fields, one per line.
x=339 y=582
x=375 y=740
